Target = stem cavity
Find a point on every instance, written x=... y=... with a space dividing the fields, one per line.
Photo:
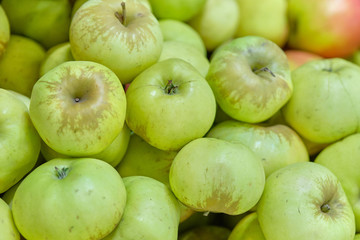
x=264 y=69
x=122 y=16
x=170 y=88
x=61 y=172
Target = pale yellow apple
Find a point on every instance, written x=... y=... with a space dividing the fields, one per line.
x=4 y=30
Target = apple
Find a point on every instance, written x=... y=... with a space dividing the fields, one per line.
x=250 y=78
x=20 y=142
x=7 y=227
x=357 y=236
x=277 y=146
x=78 y=108
x=322 y=108
x=113 y=154
x=305 y=201
x=55 y=56
x=80 y=198
x=214 y=175
x=247 y=228
x=186 y=52
x=181 y=10
x=47 y=22
x=267 y=19
x=169 y=99
x=217 y=22
x=329 y=28
x=20 y=64
x=151 y=212
x=122 y=35
x=198 y=219
x=175 y=30
x=299 y=57
x=4 y=30
x=207 y=232
x=342 y=159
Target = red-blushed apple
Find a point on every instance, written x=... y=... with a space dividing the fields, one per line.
x=299 y=57
x=329 y=28
x=4 y=30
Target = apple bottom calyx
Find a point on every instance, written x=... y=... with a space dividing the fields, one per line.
x=61 y=172
x=325 y=208
x=264 y=69
x=170 y=88
x=122 y=16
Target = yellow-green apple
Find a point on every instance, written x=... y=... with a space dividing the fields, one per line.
x=76 y=199
x=20 y=142
x=329 y=28
x=55 y=56
x=7 y=226
x=181 y=10
x=169 y=104
x=47 y=22
x=186 y=52
x=299 y=57
x=207 y=232
x=322 y=108
x=214 y=175
x=4 y=30
x=217 y=22
x=277 y=146
x=250 y=78
x=175 y=30
x=342 y=159
x=151 y=212
x=247 y=228
x=305 y=201
x=355 y=57
x=20 y=64
x=267 y=19
x=112 y=154
x=78 y=108
x=357 y=236
x=122 y=35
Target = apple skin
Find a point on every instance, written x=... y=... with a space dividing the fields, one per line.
x=70 y=199
x=357 y=236
x=20 y=64
x=277 y=146
x=299 y=57
x=4 y=30
x=242 y=87
x=322 y=108
x=329 y=28
x=96 y=34
x=247 y=228
x=78 y=108
x=305 y=201
x=214 y=175
x=157 y=112
x=217 y=22
x=341 y=158
x=7 y=226
x=207 y=232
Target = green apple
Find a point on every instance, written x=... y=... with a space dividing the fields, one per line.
x=76 y=199
x=186 y=52
x=8 y=229
x=20 y=64
x=322 y=108
x=44 y=21
x=207 y=232
x=267 y=19
x=181 y=10
x=342 y=159
x=214 y=175
x=247 y=228
x=305 y=201
x=78 y=108
x=357 y=236
x=4 y=30
x=299 y=57
x=151 y=212
x=277 y=146
x=175 y=30
x=20 y=143
x=250 y=78
x=122 y=35
x=112 y=154
x=217 y=22
x=327 y=28
x=169 y=99
x=55 y=56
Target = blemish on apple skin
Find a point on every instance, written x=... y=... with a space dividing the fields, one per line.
x=71 y=228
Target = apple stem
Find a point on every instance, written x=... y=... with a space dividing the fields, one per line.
x=325 y=208
x=265 y=69
x=170 y=88
x=61 y=173
x=206 y=214
x=122 y=16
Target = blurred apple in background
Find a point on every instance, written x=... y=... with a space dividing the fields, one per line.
x=329 y=28
x=217 y=22
x=4 y=30
x=208 y=232
x=299 y=57
x=44 y=21
x=247 y=228
x=267 y=19
x=250 y=78
x=7 y=226
x=122 y=35
x=20 y=64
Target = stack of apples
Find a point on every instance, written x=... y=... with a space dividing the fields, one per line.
x=179 y=119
